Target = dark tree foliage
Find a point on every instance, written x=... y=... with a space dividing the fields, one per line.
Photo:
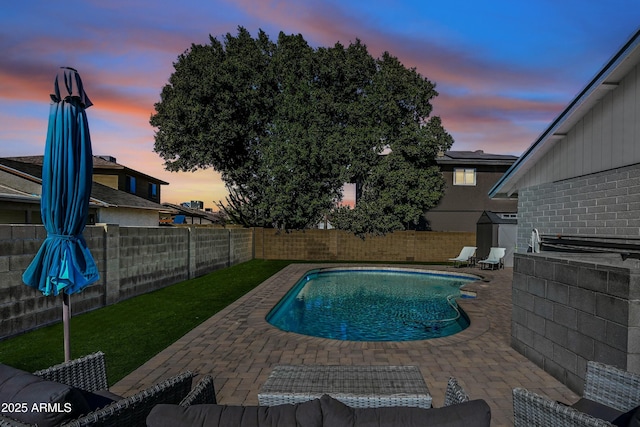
x=286 y=125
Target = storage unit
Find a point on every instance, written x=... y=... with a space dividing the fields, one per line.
x=492 y=230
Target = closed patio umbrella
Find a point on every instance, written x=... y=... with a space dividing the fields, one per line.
x=64 y=263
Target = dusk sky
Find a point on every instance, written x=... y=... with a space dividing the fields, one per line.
x=503 y=68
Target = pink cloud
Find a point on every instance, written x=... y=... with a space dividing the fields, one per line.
x=474 y=109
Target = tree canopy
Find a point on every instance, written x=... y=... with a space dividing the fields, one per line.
x=287 y=125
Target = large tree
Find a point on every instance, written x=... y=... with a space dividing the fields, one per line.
x=286 y=125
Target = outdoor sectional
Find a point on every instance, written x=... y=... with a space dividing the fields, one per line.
x=75 y=394
x=199 y=409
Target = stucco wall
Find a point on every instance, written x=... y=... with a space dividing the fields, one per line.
x=462 y=205
x=131 y=217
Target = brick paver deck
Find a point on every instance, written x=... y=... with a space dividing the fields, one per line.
x=239 y=349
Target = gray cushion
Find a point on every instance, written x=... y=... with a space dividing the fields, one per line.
x=475 y=413
x=45 y=403
x=324 y=412
x=307 y=414
x=630 y=418
x=596 y=410
x=99 y=398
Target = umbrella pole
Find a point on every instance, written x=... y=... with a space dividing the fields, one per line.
x=66 y=319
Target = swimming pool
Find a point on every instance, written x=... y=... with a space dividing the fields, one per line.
x=381 y=304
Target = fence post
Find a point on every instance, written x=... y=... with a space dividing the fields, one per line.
x=191 y=251
x=111 y=263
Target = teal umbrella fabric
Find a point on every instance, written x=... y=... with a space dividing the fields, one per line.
x=64 y=263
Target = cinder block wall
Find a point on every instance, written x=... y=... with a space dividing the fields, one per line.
x=151 y=258
x=241 y=247
x=325 y=245
x=605 y=204
x=218 y=248
x=131 y=261
x=572 y=308
x=212 y=249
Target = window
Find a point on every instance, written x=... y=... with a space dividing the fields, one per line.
x=463 y=176
x=153 y=190
x=131 y=184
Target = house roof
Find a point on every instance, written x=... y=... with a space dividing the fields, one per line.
x=605 y=80
x=99 y=162
x=475 y=157
x=117 y=198
x=489 y=217
x=211 y=216
x=8 y=194
x=101 y=195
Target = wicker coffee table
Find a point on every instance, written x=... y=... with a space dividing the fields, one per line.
x=356 y=386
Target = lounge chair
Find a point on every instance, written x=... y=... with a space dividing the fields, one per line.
x=466 y=256
x=494 y=260
x=609 y=394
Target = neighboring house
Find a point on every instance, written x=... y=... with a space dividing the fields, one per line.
x=580 y=179
x=188 y=215
x=20 y=189
x=107 y=172
x=468 y=177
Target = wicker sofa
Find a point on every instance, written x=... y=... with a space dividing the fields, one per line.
x=75 y=394
x=199 y=409
x=611 y=398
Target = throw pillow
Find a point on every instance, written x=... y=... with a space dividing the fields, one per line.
x=336 y=413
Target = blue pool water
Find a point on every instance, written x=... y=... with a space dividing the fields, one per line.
x=373 y=305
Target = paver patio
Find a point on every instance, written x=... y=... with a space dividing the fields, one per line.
x=239 y=349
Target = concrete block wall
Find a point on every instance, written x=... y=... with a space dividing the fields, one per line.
x=218 y=248
x=241 y=247
x=329 y=245
x=131 y=261
x=572 y=308
x=22 y=307
x=212 y=250
x=151 y=258
x=604 y=204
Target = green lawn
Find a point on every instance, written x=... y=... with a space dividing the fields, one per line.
x=133 y=331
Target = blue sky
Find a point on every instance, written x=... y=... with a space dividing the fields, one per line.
x=503 y=68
